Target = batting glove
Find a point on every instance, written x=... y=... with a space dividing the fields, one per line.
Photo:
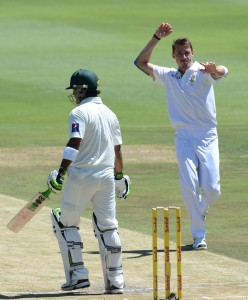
x=122 y=186
x=55 y=180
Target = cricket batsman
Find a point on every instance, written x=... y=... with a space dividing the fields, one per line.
x=92 y=159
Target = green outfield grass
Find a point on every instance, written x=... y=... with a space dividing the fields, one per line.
x=44 y=42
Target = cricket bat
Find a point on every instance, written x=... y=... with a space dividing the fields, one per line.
x=28 y=211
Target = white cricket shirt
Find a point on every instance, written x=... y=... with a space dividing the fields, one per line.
x=190 y=98
x=99 y=129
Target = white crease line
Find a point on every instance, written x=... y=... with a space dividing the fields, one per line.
x=226 y=297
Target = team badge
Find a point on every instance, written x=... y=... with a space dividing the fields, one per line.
x=192 y=78
x=75 y=127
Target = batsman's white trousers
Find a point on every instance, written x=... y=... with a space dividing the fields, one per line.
x=84 y=186
x=198 y=162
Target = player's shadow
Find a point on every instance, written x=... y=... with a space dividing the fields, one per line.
x=144 y=253
x=49 y=295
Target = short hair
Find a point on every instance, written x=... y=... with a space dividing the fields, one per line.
x=92 y=93
x=181 y=41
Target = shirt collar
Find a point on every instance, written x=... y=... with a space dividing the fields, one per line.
x=196 y=66
x=96 y=100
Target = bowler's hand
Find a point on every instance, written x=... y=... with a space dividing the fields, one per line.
x=210 y=68
x=164 y=30
x=215 y=71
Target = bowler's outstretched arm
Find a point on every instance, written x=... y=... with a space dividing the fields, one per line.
x=143 y=60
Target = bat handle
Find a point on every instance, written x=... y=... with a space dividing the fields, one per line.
x=46 y=193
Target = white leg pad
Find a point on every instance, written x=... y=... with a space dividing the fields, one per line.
x=70 y=246
x=111 y=256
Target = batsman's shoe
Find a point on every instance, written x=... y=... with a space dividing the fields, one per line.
x=114 y=290
x=200 y=244
x=76 y=284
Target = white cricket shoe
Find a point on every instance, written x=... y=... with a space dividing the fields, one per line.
x=114 y=290
x=200 y=244
x=76 y=284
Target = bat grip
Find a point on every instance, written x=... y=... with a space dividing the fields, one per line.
x=46 y=193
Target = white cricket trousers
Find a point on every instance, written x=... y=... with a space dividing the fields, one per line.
x=89 y=185
x=198 y=165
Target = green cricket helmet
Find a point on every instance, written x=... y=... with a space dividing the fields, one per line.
x=84 y=79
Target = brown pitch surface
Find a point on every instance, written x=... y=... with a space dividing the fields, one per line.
x=31 y=265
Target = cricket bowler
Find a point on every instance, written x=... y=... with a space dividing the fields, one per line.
x=192 y=112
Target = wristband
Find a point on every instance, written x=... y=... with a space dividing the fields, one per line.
x=118 y=176
x=70 y=153
x=156 y=37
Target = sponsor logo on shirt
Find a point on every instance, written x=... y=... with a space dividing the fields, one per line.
x=75 y=127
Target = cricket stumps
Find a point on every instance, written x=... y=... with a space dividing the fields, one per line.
x=167 y=264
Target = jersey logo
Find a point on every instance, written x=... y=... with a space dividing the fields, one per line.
x=75 y=127
x=192 y=78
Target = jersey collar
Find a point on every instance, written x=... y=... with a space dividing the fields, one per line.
x=96 y=100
